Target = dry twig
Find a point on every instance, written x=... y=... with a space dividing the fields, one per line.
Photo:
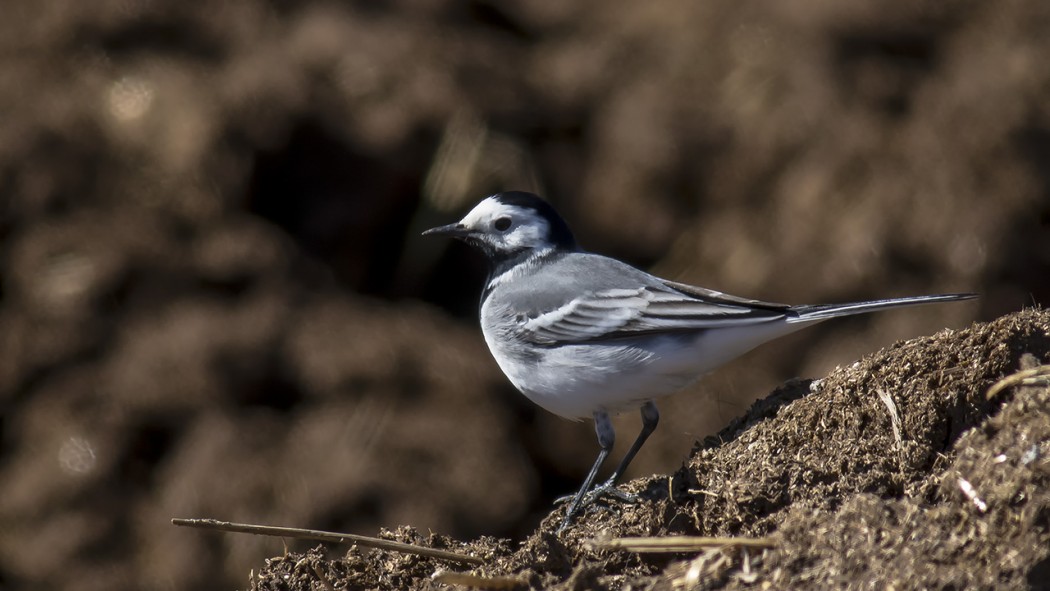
x=478 y=581
x=895 y=418
x=327 y=536
x=677 y=543
x=1026 y=377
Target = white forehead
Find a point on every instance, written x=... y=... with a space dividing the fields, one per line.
x=491 y=208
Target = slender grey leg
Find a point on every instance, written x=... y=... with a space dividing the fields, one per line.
x=650 y=418
x=606 y=438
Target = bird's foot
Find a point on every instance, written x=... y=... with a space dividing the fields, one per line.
x=607 y=489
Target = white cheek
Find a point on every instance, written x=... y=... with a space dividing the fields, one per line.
x=515 y=239
x=526 y=236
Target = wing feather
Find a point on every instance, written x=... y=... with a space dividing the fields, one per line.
x=621 y=313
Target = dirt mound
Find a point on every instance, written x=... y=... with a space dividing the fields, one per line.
x=894 y=472
x=215 y=301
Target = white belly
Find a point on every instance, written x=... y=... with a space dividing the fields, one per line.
x=573 y=381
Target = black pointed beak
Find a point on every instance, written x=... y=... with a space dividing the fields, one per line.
x=454 y=230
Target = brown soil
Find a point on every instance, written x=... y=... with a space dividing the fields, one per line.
x=818 y=468
x=215 y=302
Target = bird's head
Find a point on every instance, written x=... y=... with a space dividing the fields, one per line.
x=510 y=224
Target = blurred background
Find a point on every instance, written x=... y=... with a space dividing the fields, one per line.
x=215 y=302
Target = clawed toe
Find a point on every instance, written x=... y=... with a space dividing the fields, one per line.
x=563 y=500
x=612 y=491
x=607 y=489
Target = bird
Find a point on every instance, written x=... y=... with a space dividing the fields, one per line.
x=584 y=335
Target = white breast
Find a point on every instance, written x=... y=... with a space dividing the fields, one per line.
x=573 y=381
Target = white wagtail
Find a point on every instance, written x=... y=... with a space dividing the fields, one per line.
x=584 y=335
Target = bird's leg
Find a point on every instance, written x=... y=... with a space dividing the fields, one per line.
x=606 y=438
x=650 y=418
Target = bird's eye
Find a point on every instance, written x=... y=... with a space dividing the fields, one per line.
x=502 y=224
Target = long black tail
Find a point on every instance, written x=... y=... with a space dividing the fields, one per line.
x=825 y=311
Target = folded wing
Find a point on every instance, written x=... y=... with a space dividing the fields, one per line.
x=622 y=313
